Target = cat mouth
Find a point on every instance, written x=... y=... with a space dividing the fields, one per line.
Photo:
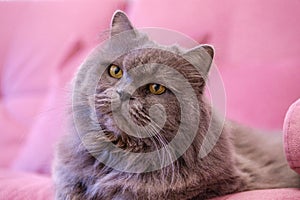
x=131 y=113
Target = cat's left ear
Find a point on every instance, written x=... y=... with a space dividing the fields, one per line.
x=201 y=57
x=120 y=23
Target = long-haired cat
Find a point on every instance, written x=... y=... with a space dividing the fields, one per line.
x=90 y=161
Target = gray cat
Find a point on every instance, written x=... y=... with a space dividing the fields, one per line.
x=103 y=156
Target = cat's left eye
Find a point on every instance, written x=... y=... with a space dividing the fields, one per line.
x=115 y=71
x=156 y=88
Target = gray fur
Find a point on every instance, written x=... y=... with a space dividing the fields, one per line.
x=241 y=160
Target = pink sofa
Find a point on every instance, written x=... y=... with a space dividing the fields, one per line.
x=42 y=43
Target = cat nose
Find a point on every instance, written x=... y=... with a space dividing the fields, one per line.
x=123 y=95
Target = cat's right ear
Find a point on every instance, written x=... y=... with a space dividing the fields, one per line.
x=120 y=23
x=201 y=57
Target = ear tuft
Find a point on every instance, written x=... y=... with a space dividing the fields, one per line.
x=210 y=50
x=120 y=23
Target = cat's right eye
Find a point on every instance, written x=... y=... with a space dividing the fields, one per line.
x=156 y=88
x=115 y=71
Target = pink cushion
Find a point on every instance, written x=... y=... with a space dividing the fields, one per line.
x=248 y=31
x=272 y=194
x=49 y=127
x=259 y=95
x=191 y=17
x=291 y=131
x=14 y=126
x=22 y=186
x=34 y=35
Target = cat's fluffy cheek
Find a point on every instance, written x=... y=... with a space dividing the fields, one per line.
x=110 y=126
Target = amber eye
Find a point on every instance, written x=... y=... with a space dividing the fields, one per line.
x=115 y=71
x=156 y=88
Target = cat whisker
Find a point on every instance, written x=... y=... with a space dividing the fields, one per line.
x=168 y=152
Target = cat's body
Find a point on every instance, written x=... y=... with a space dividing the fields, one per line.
x=261 y=155
x=242 y=159
x=259 y=161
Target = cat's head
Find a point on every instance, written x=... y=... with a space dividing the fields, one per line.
x=134 y=95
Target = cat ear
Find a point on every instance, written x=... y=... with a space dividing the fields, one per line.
x=201 y=57
x=120 y=23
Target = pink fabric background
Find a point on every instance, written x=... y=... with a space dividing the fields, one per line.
x=42 y=43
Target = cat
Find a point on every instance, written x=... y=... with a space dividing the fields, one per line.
x=87 y=162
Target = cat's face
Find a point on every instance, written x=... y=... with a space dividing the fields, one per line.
x=136 y=75
x=122 y=72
